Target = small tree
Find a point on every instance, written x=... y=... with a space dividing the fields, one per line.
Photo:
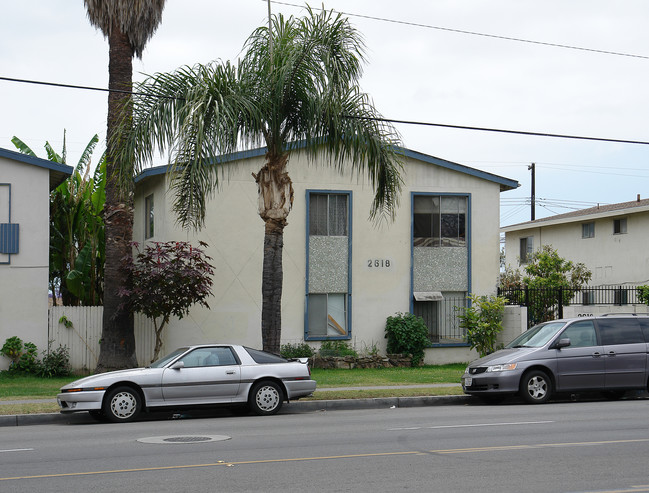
x=483 y=321
x=168 y=278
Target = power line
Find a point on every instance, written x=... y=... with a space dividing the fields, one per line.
x=474 y=33
x=499 y=130
x=386 y=120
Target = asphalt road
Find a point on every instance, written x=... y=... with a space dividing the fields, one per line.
x=558 y=447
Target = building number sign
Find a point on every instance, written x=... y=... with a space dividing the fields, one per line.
x=379 y=263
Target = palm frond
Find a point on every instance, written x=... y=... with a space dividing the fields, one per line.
x=138 y=19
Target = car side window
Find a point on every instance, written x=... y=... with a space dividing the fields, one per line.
x=215 y=356
x=581 y=334
x=619 y=331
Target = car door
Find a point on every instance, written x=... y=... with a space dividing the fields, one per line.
x=581 y=365
x=625 y=352
x=208 y=375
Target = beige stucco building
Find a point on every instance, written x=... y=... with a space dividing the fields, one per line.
x=611 y=240
x=343 y=275
x=25 y=184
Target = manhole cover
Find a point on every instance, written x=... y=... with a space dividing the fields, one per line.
x=184 y=439
x=187 y=439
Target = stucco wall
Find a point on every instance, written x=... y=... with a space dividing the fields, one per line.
x=23 y=282
x=235 y=232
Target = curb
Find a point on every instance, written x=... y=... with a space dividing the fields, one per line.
x=292 y=408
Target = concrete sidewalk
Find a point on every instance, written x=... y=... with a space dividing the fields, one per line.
x=293 y=407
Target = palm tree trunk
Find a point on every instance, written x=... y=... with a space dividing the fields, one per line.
x=275 y=202
x=271 y=288
x=117 y=349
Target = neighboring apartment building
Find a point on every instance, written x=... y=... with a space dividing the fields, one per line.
x=343 y=275
x=611 y=240
x=25 y=185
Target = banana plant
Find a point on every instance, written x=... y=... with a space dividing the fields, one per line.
x=76 y=227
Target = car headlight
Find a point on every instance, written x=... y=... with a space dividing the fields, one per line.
x=506 y=367
x=467 y=370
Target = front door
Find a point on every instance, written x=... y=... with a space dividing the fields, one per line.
x=580 y=366
x=210 y=375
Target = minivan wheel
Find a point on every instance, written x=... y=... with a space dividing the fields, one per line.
x=536 y=387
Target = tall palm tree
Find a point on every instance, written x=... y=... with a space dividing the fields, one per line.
x=297 y=81
x=128 y=25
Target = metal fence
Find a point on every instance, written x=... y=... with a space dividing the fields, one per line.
x=442 y=320
x=548 y=304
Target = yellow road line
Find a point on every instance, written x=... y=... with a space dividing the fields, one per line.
x=351 y=456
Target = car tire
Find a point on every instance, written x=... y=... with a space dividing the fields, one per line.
x=265 y=398
x=536 y=387
x=122 y=404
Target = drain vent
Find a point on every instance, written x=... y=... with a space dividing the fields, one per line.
x=187 y=439
x=184 y=439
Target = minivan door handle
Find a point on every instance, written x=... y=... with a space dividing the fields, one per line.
x=596 y=354
x=611 y=353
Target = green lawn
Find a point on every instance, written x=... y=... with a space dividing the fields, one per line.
x=388 y=376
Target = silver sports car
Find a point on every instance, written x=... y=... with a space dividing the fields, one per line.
x=206 y=375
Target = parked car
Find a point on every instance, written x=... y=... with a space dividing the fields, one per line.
x=206 y=375
x=604 y=353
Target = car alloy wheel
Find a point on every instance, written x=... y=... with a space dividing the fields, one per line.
x=266 y=398
x=536 y=387
x=122 y=404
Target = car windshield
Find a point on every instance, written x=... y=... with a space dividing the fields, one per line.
x=166 y=359
x=537 y=336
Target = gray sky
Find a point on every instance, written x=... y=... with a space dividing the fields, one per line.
x=413 y=73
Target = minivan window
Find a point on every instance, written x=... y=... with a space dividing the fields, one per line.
x=619 y=331
x=537 y=336
x=644 y=324
x=581 y=334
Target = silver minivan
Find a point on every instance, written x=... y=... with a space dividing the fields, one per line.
x=608 y=353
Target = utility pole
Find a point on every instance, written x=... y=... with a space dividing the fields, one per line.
x=533 y=197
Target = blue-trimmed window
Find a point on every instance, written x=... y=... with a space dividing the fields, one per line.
x=328 y=280
x=439 y=220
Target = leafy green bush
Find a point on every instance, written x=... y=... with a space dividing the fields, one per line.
x=28 y=361
x=407 y=334
x=337 y=348
x=56 y=363
x=302 y=350
x=12 y=349
x=483 y=321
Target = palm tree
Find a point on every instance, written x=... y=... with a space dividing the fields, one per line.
x=128 y=25
x=295 y=82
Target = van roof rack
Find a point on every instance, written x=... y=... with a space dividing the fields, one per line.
x=623 y=315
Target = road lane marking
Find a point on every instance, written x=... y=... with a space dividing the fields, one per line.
x=333 y=457
x=517 y=423
x=17 y=450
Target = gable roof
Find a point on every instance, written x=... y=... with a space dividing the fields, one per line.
x=606 y=210
x=505 y=183
x=58 y=172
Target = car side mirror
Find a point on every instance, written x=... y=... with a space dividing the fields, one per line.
x=565 y=342
x=177 y=365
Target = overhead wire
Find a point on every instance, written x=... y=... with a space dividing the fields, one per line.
x=472 y=33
